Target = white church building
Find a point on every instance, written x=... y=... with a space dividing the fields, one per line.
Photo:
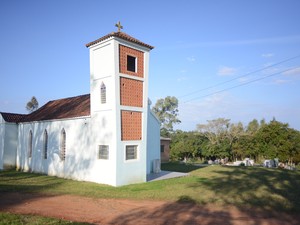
x=109 y=136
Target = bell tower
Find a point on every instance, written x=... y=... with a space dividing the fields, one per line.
x=119 y=102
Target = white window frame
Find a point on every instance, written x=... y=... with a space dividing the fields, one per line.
x=136 y=152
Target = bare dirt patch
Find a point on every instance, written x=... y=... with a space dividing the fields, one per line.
x=125 y=212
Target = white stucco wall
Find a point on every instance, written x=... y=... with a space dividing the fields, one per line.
x=8 y=144
x=81 y=161
x=104 y=116
x=153 y=144
x=2 y=132
x=102 y=69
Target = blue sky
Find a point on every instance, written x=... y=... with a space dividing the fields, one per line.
x=203 y=49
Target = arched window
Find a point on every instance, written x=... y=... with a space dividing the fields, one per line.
x=63 y=145
x=103 y=93
x=30 y=144
x=45 y=144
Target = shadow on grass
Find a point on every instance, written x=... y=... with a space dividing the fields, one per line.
x=19 y=184
x=266 y=189
x=14 y=181
x=187 y=212
x=179 y=167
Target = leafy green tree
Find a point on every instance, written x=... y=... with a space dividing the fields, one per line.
x=277 y=140
x=235 y=135
x=252 y=127
x=186 y=145
x=167 y=112
x=32 y=105
x=293 y=152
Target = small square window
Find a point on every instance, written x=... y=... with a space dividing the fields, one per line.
x=131 y=63
x=131 y=152
x=103 y=152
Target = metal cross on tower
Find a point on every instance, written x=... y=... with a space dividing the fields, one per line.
x=119 y=26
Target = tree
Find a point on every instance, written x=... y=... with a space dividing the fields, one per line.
x=277 y=140
x=217 y=132
x=167 y=112
x=185 y=145
x=246 y=144
x=253 y=127
x=32 y=105
x=234 y=135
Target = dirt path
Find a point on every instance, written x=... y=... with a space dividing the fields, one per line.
x=141 y=212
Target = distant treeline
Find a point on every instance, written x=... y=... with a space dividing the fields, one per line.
x=220 y=139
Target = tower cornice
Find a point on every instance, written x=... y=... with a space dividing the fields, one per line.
x=121 y=35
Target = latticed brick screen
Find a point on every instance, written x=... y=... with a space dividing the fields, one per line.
x=131 y=92
x=123 y=52
x=131 y=128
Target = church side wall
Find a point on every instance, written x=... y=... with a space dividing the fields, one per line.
x=81 y=156
x=10 y=145
x=153 y=141
x=2 y=132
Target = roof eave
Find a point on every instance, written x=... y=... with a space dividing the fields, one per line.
x=122 y=36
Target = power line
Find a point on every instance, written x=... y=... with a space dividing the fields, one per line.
x=226 y=89
x=245 y=75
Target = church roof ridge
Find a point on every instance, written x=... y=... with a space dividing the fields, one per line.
x=65 y=98
x=122 y=35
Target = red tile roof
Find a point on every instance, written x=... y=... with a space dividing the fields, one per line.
x=65 y=108
x=121 y=35
x=12 y=117
x=61 y=109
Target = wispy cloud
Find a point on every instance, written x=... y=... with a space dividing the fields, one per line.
x=269 y=40
x=235 y=108
x=293 y=72
x=183 y=78
x=244 y=79
x=191 y=59
x=267 y=55
x=226 y=71
x=281 y=81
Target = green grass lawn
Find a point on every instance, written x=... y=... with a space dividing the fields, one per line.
x=270 y=189
x=13 y=219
